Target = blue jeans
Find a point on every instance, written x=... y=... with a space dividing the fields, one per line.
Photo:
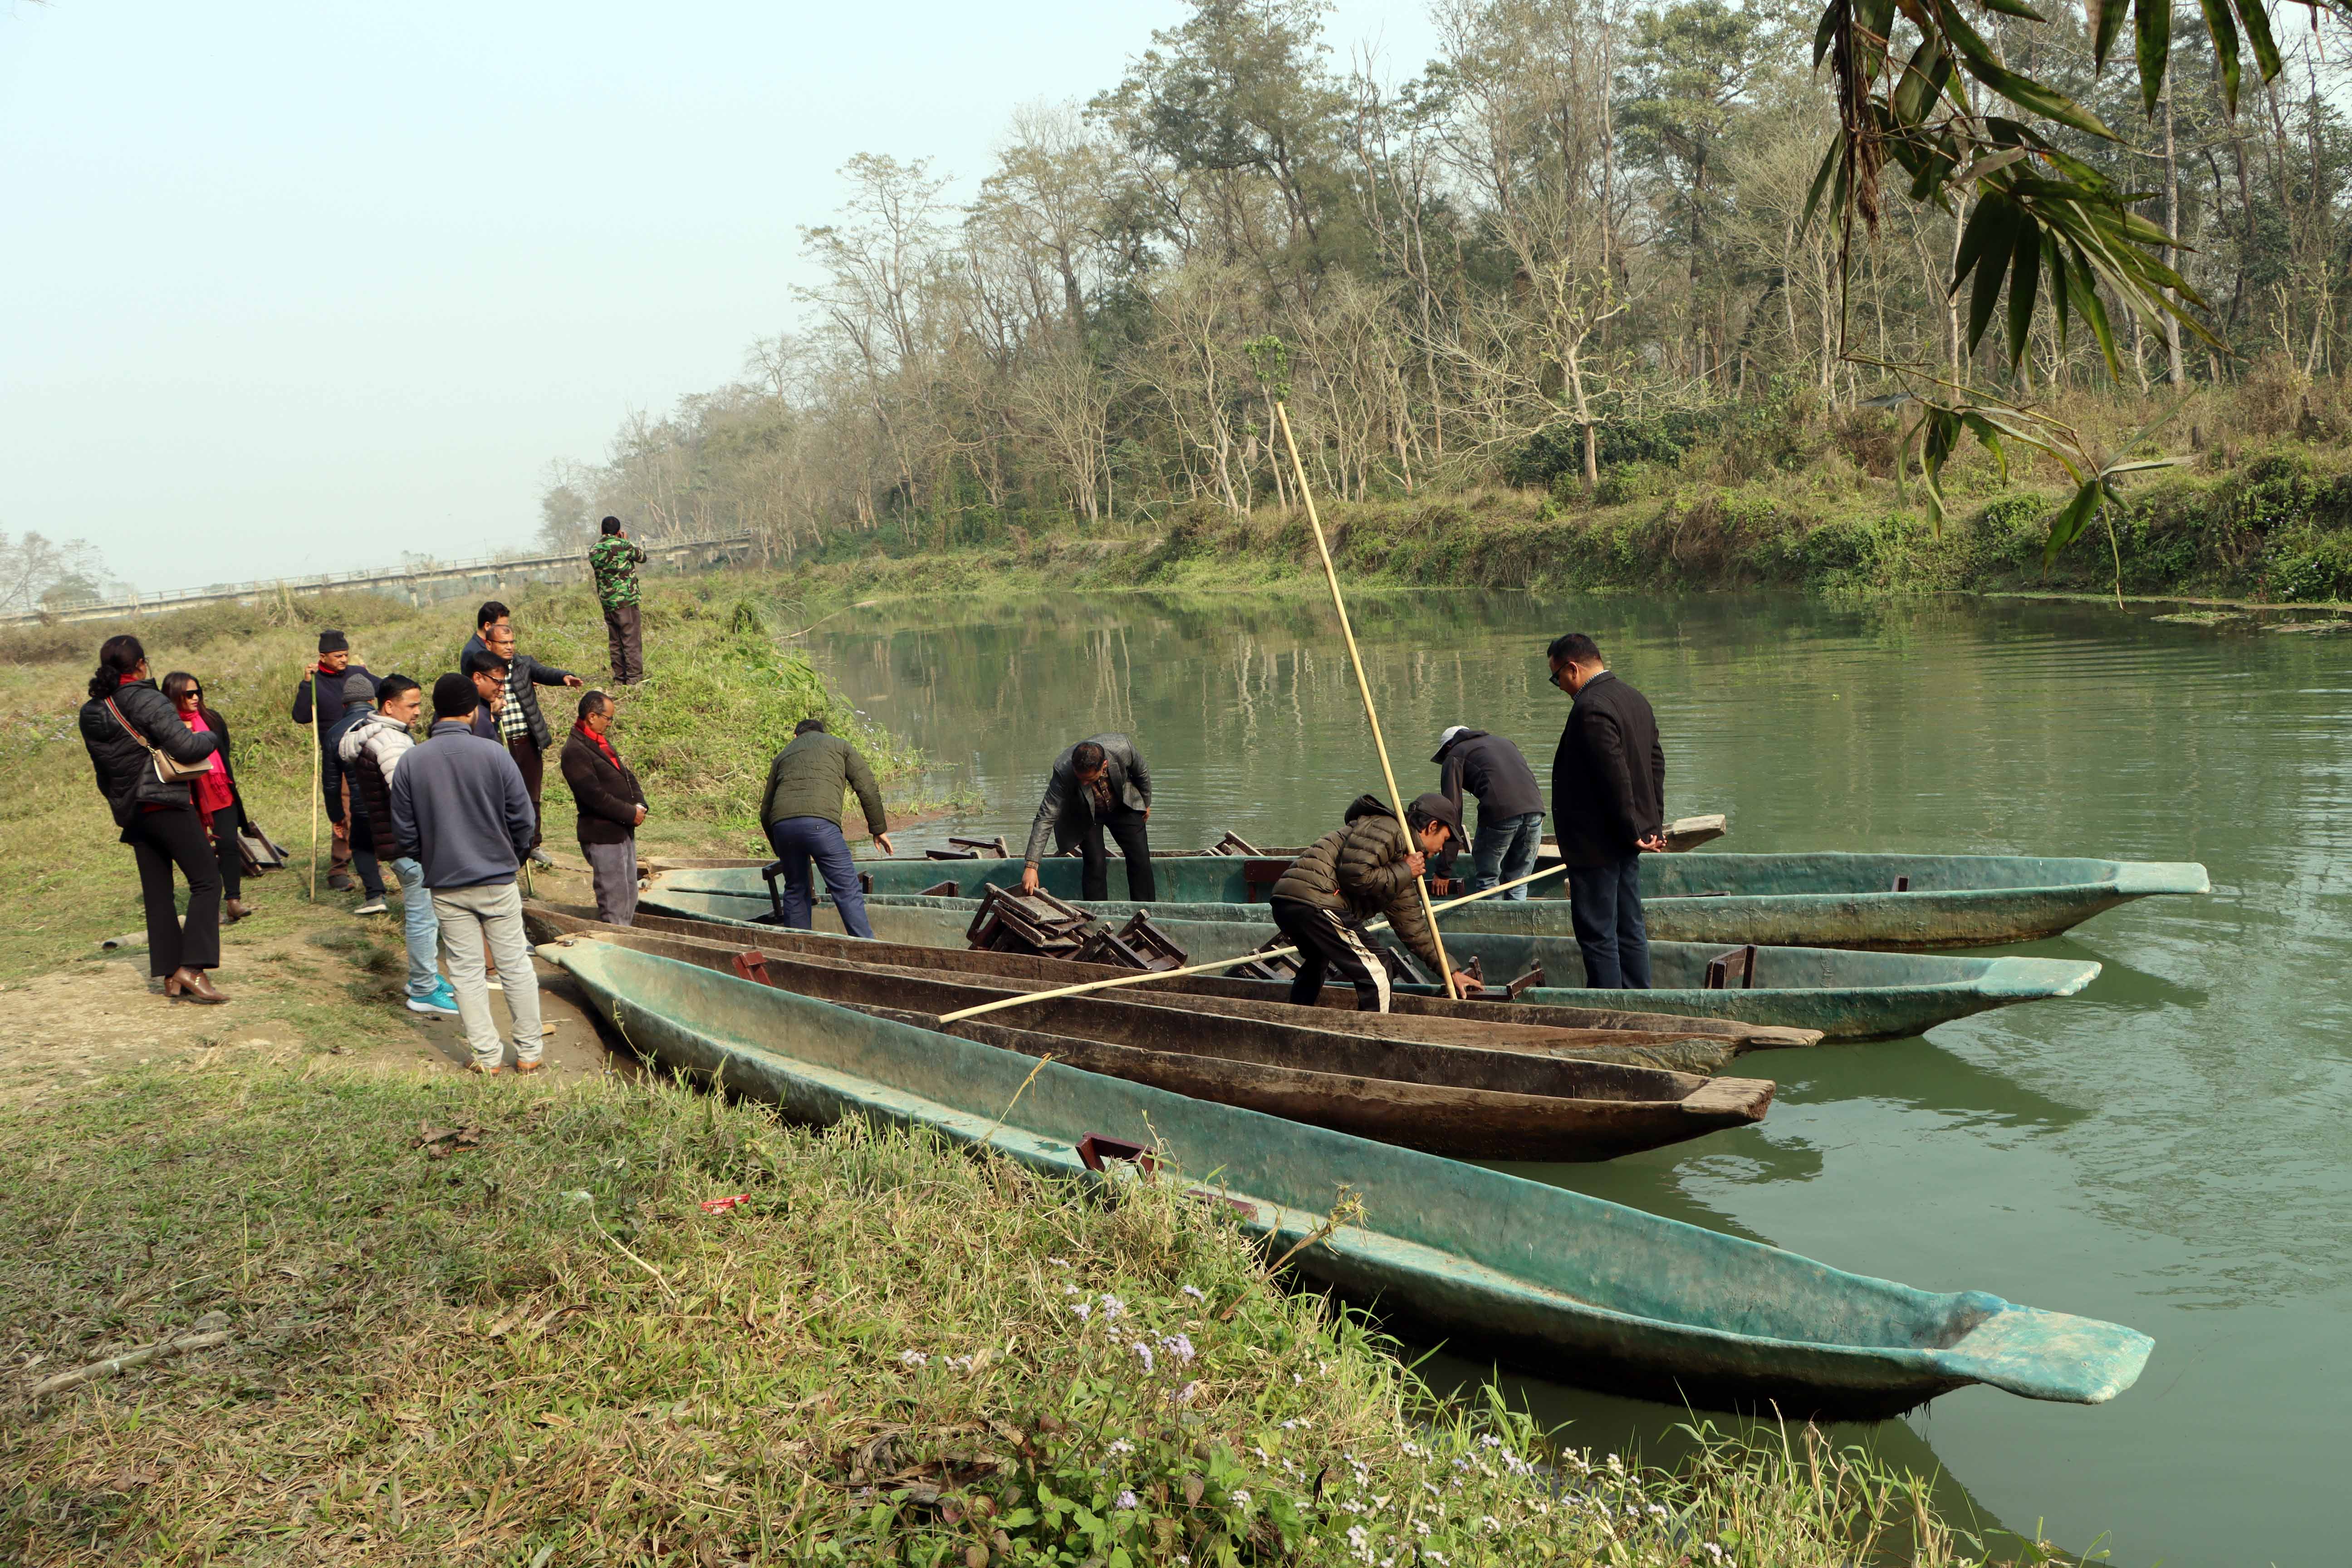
x=1505 y=851
x=1605 y=903
x=420 y=928
x=797 y=840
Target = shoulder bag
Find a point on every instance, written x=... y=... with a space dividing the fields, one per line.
x=167 y=770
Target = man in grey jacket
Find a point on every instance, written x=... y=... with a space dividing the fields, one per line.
x=1099 y=784
x=1493 y=772
x=461 y=800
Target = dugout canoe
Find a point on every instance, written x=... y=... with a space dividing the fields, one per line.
x=1477 y=1104
x=1636 y=1040
x=1849 y=994
x=1772 y=901
x=938 y=928
x=1571 y=1288
x=1682 y=834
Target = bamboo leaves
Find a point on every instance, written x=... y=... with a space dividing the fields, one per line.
x=2152 y=37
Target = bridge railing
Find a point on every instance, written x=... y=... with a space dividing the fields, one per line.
x=409 y=578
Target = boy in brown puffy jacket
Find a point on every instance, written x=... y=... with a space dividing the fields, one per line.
x=1366 y=869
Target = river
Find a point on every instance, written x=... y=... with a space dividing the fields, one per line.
x=2167 y=1151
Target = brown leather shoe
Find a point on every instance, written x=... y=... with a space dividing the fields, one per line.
x=238 y=910
x=524 y=1066
x=186 y=984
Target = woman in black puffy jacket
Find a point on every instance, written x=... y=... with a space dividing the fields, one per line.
x=124 y=718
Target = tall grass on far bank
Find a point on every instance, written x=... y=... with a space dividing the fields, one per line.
x=541 y=1349
x=724 y=696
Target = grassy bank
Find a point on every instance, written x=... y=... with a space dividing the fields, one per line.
x=539 y=1349
x=2265 y=524
x=724 y=695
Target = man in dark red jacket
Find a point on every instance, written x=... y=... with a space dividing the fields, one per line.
x=1608 y=805
x=611 y=806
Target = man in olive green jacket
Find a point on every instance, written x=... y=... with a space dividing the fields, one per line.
x=801 y=814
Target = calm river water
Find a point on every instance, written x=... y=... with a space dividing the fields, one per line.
x=2168 y=1151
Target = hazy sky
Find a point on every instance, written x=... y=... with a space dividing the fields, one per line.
x=297 y=286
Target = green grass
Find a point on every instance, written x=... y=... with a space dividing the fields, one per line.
x=542 y=1349
x=725 y=694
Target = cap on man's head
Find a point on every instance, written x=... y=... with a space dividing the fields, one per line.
x=333 y=641
x=454 y=697
x=359 y=688
x=1437 y=809
x=1446 y=739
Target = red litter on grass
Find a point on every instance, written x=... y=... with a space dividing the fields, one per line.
x=720 y=1206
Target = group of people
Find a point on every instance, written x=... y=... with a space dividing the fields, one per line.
x=1608 y=801
x=1608 y=804
x=453 y=816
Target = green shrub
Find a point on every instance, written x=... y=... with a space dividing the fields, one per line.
x=2309 y=566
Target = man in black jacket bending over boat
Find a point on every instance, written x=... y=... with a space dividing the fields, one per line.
x=1608 y=805
x=1099 y=784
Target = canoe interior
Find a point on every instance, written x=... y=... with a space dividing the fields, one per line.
x=1579 y=1289
x=1474 y=1103
x=937 y=926
x=1674 y=1049
x=1848 y=993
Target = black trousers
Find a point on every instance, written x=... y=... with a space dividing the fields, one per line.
x=1126 y=825
x=360 y=844
x=531 y=763
x=1325 y=942
x=160 y=840
x=226 y=855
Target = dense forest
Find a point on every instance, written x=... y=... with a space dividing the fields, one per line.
x=1576 y=239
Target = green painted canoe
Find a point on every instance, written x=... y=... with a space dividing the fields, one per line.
x=1576 y=1290
x=1775 y=901
x=1846 y=994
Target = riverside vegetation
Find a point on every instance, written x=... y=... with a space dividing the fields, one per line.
x=1782 y=495
x=492 y=1322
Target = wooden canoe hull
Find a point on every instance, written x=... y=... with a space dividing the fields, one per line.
x=1702 y=1045
x=1773 y=901
x=1848 y=994
x=1444 y=1100
x=1574 y=1289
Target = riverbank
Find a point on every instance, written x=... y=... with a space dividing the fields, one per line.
x=493 y=1322
x=724 y=697
x=2273 y=525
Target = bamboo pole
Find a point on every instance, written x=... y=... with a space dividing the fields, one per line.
x=318 y=783
x=1143 y=976
x=1331 y=575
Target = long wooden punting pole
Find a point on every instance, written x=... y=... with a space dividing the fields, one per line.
x=317 y=783
x=1143 y=976
x=1331 y=575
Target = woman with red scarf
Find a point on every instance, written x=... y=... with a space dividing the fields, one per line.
x=218 y=800
x=611 y=806
x=128 y=728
